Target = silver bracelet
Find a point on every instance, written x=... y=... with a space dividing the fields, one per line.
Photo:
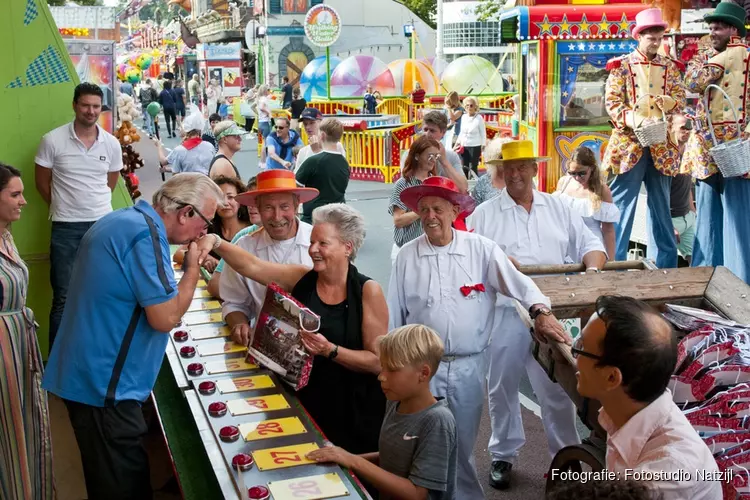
x=217 y=241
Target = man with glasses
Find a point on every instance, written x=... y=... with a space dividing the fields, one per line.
x=123 y=301
x=625 y=357
x=279 y=145
x=533 y=228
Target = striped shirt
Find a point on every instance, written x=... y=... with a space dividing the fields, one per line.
x=403 y=235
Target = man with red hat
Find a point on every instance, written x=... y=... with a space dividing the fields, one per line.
x=722 y=233
x=282 y=239
x=642 y=87
x=448 y=280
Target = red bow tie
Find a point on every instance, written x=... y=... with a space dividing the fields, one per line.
x=466 y=290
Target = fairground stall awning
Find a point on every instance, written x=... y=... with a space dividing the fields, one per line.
x=564 y=22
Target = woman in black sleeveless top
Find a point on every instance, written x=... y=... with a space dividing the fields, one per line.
x=343 y=395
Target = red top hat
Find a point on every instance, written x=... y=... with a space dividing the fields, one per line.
x=277 y=181
x=441 y=187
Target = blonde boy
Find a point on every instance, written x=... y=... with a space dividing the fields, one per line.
x=417 y=457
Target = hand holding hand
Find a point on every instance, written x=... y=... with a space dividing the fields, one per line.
x=190 y=260
x=241 y=334
x=210 y=263
x=204 y=246
x=316 y=344
x=332 y=454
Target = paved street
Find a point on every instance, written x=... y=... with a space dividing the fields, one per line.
x=374 y=260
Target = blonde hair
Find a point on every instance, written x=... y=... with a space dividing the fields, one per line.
x=411 y=345
x=187 y=189
x=333 y=129
x=452 y=99
x=585 y=157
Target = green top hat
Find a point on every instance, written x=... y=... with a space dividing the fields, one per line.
x=732 y=14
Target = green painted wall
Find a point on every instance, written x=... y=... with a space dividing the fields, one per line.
x=37 y=79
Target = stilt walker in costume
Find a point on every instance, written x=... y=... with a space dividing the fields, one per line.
x=722 y=235
x=640 y=86
x=448 y=280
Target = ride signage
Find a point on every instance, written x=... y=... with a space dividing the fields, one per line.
x=322 y=25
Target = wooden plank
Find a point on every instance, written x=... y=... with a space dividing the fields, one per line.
x=729 y=295
x=579 y=292
x=619 y=265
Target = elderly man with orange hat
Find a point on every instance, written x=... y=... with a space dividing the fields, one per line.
x=283 y=239
x=448 y=280
x=531 y=227
x=642 y=87
x=722 y=234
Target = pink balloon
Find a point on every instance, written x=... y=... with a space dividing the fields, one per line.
x=353 y=74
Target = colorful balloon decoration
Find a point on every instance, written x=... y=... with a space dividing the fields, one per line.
x=471 y=75
x=121 y=70
x=144 y=62
x=408 y=71
x=353 y=74
x=312 y=81
x=133 y=75
x=438 y=65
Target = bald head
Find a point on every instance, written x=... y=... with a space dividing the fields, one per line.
x=640 y=343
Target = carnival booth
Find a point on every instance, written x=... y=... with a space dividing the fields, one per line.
x=563 y=53
x=222 y=62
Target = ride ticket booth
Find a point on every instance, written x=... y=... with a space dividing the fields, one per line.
x=563 y=50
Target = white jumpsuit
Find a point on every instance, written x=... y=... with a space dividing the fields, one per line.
x=546 y=235
x=425 y=288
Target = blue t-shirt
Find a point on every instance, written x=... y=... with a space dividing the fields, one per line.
x=106 y=351
x=179 y=95
x=287 y=155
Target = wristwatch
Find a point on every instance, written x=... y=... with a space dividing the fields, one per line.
x=217 y=241
x=539 y=310
x=334 y=352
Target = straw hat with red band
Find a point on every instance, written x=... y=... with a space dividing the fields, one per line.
x=277 y=181
x=442 y=187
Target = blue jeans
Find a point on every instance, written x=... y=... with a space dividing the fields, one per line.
x=662 y=247
x=66 y=238
x=722 y=233
x=148 y=123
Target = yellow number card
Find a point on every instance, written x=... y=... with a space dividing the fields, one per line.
x=248 y=406
x=241 y=384
x=266 y=429
x=229 y=365
x=209 y=332
x=201 y=284
x=204 y=305
x=285 y=456
x=309 y=488
x=216 y=348
x=201 y=293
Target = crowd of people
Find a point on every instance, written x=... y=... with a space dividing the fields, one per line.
x=399 y=378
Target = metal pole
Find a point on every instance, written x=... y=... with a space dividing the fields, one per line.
x=266 y=74
x=439 y=32
x=328 y=73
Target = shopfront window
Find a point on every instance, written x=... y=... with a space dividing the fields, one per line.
x=582 y=80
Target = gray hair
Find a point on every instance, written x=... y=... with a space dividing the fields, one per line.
x=348 y=221
x=188 y=188
x=492 y=150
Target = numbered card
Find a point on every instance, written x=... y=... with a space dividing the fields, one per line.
x=309 y=488
x=229 y=365
x=201 y=284
x=216 y=348
x=204 y=305
x=248 y=406
x=241 y=384
x=201 y=293
x=209 y=332
x=202 y=317
x=285 y=456
x=266 y=429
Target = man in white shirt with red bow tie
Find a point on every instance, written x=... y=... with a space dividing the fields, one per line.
x=448 y=280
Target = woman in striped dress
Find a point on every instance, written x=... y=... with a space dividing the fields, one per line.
x=421 y=162
x=25 y=441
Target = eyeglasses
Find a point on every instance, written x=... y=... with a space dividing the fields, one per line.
x=433 y=156
x=580 y=173
x=182 y=204
x=308 y=320
x=577 y=350
x=280 y=128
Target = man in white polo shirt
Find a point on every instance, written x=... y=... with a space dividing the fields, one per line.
x=77 y=167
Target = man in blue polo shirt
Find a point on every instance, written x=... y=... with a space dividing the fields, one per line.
x=122 y=300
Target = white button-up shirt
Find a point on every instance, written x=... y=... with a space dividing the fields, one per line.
x=245 y=295
x=426 y=283
x=547 y=234
x=660 y=439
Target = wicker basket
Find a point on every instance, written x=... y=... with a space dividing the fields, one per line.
x=653 y=133
x=732 y=157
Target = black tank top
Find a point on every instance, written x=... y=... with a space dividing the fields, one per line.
x=348 y=406
x=219 y=156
